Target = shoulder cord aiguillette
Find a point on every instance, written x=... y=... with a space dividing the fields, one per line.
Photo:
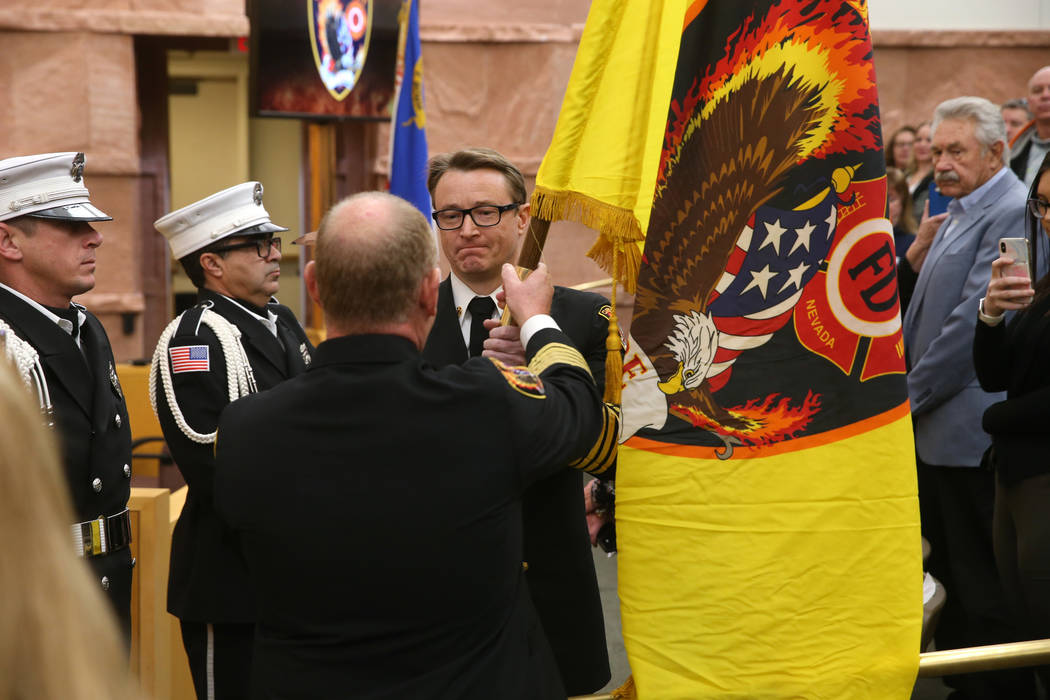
x=26 y=361
x=240 y=379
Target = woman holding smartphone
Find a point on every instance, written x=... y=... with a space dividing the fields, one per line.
x=1011 y=355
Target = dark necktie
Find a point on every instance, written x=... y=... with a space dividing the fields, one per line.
x=293 y=357
x=480 y=308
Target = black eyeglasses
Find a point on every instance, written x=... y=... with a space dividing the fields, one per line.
x=262 y=246
x=483 y=215
x=1038 y=207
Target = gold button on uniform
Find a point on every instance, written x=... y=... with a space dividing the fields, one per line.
x=96 y=484
x=105 y=583
x=127 y=470
x=116 y=420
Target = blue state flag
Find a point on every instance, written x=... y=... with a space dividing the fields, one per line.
x=408 y=148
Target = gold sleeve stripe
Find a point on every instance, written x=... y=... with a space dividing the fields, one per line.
x=557 y=353
x=603 y=452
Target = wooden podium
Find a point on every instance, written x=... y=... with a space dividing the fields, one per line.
x=157 y=656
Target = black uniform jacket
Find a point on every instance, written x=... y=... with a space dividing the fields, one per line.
x=92 y=420
x=1012 y=356
x=383 y=534
x=560 y=573
x=207 y=581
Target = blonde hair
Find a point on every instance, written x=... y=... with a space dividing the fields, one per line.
x=477 y=158
x=58 y=636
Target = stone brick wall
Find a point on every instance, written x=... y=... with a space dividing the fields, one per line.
x=496 y=73
x=68 y=83
x=916 y=71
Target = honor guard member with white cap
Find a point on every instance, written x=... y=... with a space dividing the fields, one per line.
x=47 y=257
x=235 y=341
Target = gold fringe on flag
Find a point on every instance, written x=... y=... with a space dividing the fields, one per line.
x=618 y=229
x=613 y=358
x=616 y=250
x=626 y=691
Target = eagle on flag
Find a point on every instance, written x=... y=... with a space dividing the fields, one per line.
x=749 y=247
x=729 y=153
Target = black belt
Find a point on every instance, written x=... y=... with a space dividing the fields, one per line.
x=105 y=535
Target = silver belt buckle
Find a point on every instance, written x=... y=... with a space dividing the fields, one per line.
x=89 y=537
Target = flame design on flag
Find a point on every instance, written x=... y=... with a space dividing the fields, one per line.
x=795 y=86
x=762 y=422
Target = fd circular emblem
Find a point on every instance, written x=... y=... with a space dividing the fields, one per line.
x=862 y=281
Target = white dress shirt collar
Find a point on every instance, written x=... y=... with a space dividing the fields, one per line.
x=270 y=321
x=461 y=296
x=62 y=323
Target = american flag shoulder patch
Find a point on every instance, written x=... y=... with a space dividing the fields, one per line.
x=189 y=358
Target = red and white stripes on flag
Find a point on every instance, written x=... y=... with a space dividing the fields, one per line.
x=189 y=358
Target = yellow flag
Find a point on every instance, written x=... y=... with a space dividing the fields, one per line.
x=600 y=169
x=766 y=503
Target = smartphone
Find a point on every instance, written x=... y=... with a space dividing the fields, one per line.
x=938 y=202
x=1016 y=248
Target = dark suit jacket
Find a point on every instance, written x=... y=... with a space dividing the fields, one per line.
x=207 y=580
x=560 y=573
x=1012 y=356
x=92 y=420
x=1019 y=149
x=383 y=534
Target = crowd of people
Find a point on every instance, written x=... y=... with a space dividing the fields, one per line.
x=448 y=423
x=975 y=297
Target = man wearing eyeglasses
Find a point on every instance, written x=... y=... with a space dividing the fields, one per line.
x=482 y=213
x=236 y=340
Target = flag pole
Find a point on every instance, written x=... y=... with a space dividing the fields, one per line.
x=529 y=257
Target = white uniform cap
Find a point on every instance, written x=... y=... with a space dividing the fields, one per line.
x=49 y=186
x=237 y=210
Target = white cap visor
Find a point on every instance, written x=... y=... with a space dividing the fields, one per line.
x=84 y=211
x=267 y=227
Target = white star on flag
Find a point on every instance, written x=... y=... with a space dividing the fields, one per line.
x=760 y=279
x=774 y=232
x=795 y=277
x=803 y=237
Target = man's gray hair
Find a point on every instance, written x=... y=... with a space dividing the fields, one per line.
x=985 y=115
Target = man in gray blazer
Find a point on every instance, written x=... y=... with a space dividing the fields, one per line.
x=952 y=255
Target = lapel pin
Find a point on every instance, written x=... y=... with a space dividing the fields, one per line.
x=114 y=381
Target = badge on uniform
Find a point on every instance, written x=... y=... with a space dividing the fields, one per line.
x=77 y=169
x=521 y=379
x=305 y=353
x=114 y=381
x=189 y=358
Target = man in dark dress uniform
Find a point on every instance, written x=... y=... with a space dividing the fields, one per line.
x=383 y=534
x=227 y=246
x=47 y=257
x=482 y=213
